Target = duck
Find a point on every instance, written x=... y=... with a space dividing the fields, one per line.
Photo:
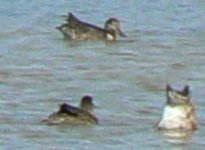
x=75 y=29
x=178 y=114
x=68 y=114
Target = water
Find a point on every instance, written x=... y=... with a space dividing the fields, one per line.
x=39 y=71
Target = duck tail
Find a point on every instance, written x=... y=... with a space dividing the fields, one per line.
x=71 y=18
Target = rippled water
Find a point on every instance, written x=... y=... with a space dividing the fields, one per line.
x=39 y=70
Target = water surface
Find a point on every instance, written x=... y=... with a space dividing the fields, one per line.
x=39 y=70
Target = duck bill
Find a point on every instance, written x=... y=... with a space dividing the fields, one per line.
x=122 y=34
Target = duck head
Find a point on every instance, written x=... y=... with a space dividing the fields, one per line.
x=87 y=103
x=113 y=24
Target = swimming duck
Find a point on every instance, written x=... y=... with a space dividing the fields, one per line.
x=178 y=112
x=74 y=29
x=68 y=114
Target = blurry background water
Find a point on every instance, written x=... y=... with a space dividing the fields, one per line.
x=39 y=70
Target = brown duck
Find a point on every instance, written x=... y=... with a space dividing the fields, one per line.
x=68 y=114
x=75 y=29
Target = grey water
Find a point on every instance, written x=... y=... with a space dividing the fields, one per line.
x=39 y=70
